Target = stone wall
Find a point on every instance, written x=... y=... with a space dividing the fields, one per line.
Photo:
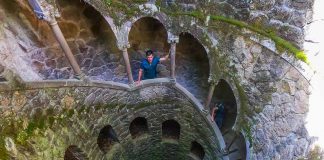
x=47 y=121
x=286 y=18
x=89 y=36
x=15 y=41
x=278 y=96
x=270 y=88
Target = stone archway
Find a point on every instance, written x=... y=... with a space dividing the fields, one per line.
x=74 y=153
x=148 y=33
x=171 y=130
x=107 y=138
x=91 y=40
x=236 y=146
x=224 y=93
x=197 y=151
x=138 y=127
x=192 y=66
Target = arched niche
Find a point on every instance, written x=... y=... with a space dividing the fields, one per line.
x=138 y=127
x=171 y=130
x=148 y=33
x=107 y=138
x=74 y=153
x=197 y=151
x=192 y=65
x=236 y=146
x=92 y=42
x=224 y=93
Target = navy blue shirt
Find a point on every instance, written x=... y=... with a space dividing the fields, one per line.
x=150 y=69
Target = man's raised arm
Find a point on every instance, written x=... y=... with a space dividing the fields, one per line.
x=166 y=57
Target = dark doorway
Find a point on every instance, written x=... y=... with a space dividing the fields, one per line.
x=197 y=150
x=74 y=153
x=224 y=94
x=107 y=138
x=192 y=66
x=138 y=127
x=171 y=130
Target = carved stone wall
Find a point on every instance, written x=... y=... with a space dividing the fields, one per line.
x=269 y=84
x=47 y=121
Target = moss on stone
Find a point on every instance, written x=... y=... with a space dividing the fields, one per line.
x=127 y=8
x=245 y=111
x=16 y=130
x=280 y=42
x=3 y=151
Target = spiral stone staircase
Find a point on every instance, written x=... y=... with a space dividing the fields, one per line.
x=67 y=90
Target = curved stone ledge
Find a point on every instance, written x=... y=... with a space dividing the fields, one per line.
x=109 y=84
x=4 y=86
x=152 y=82
x=304 y=69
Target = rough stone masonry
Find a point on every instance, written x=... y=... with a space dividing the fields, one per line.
x=41 y=105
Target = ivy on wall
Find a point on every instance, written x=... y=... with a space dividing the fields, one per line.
x=130 y=9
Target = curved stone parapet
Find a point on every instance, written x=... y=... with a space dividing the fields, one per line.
x=70 y=100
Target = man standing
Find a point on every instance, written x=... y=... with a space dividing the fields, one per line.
x=218 y=113
x=149 y=65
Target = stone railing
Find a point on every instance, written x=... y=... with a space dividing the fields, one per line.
x=68 y=83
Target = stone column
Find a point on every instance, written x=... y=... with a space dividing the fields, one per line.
x=210 y=95
x=45 y=11
x=173 y=41
x=65 y=47
x=127 y=63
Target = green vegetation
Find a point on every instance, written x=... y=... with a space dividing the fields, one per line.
x=127 y=7
x=3 y=152
x=130 y=8
x=245 y=111
x=280 y=42
x=21 y=130
x=316 y=153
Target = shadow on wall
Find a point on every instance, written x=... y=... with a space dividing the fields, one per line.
x=192 y=66
x=148 y=33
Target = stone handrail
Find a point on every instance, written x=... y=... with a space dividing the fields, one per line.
x=306 y=71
